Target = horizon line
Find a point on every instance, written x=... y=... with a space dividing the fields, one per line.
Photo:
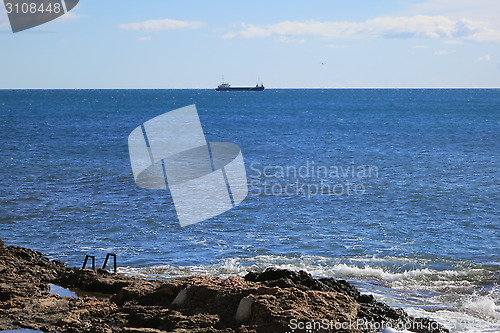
x=267 y=88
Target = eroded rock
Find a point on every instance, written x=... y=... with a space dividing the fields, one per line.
x=260 y=302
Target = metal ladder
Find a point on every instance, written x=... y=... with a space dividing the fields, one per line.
x=87 y=257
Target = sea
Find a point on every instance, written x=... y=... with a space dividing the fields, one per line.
x=394 y=190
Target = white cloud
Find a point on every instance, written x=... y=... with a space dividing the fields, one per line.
x=160 y=25
x=420 y=47
x=419 y=26
x=480 y=10
x=144 y=39
x=484 y=58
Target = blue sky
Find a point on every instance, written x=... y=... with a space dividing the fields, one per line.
x=284 y=43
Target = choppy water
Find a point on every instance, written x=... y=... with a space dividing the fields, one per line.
x=408 y=210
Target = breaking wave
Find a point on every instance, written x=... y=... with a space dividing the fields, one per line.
x=463 y=298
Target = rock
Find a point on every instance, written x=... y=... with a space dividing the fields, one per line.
x=24 y=272
x=97 y=281
x=261 y=302
x=216 y=296
x=141 y=330
x=168 y=319
x=275 y=313
x=147 y=292
x=302 y=280
x=369 y=310
x=53 y=311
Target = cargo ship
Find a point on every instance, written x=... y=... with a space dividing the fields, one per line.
x=227 y=87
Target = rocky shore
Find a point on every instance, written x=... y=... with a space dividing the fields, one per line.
x=272 y=301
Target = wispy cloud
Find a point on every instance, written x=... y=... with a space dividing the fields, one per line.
x=144 y=39
x=481 y=10
x=420 y=47
x=160 y=25
x=419 y=26
x=286 y=39
x=484 y=58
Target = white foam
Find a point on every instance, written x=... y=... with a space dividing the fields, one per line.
x=323 y=267
x=447 y=296
x=346 y=271
x=483 y=305
x=392 y=330
x=457 y=321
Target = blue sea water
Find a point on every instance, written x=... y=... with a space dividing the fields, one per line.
x=396 y=190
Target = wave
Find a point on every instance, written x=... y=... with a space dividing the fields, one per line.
x=483 y=305
x=326 y=267
x=464 y=298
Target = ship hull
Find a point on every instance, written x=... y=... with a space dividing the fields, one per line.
x=239 y=88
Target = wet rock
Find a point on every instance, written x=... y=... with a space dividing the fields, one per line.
x=301 y=280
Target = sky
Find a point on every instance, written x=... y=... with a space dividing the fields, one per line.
x=164 y=44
